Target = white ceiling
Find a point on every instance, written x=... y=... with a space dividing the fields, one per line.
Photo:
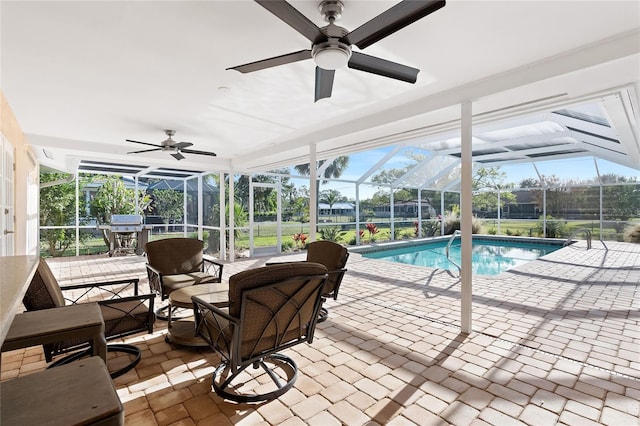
x=83 y=76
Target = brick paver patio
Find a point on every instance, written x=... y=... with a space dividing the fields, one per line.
x=555 y=341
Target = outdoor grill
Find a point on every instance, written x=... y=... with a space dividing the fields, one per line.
x=127 y=234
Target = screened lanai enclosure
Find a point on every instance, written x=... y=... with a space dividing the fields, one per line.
x=551 y=173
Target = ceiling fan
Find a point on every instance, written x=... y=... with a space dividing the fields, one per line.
x=176 y=148
x=331 y=45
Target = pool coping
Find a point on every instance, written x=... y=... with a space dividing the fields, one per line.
x=378 y=247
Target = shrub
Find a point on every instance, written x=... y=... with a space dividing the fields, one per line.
x=331 y=233
x=632 y=233
x=287 y=246
x=430 y=228
x=555 y=228
x=492 y=231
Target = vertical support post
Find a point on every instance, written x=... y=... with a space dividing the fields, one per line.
x=313 y=195
x=357 y=214
x=392 y=209
x=77 y=179
x=601 y=217
x=251 y=213
x=222 y=220
x=442 y=213
x=136 y=195
x=279 y=216
x=601 y=212
x=544 y=210
x=232 y=239
x=466 y=217
x=419 y=234
x=200 y=208
x=499 y=209
x=184 y=208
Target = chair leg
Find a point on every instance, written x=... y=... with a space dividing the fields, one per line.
x=116 y=347
x=279 y=361
x=323 y=314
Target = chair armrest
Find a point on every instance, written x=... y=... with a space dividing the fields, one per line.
x=213 y=268
x=155 y=280
x=284 y=263
x=216 y=310
x=104 y=288
x=219 y=341
x=111 y=302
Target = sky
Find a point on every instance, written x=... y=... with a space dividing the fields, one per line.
x=582 y=168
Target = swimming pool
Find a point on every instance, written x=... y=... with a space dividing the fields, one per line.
x=490 y=256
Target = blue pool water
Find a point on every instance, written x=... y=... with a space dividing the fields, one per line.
x=489 y=257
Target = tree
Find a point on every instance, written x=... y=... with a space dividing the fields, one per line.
x=488 y=181
x=114 y=198
x=333 y=170
x=57 y=208
x=168 y=204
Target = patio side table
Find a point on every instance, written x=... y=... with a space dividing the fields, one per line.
x=183 y=332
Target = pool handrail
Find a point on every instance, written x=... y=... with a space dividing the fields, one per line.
x=587 y=233
x=456 y=233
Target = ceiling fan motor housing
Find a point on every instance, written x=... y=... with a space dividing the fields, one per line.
x=331 y=10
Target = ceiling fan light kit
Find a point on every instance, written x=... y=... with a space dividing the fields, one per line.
x=331 y=45
x=330 y=56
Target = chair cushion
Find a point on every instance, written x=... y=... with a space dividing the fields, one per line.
x=174 y=282
x=266 y=275
x=44 y=291
x=175 y=255
x=124 y=317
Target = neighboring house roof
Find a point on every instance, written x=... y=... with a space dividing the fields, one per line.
x=337 y=206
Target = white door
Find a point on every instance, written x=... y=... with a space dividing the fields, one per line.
x=7 y=199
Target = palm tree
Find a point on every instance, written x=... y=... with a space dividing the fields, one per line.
x=333 y=170
x=331 y=197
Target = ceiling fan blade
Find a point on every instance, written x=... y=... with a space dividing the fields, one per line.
x=367 y=63
x=273 y=62
x=296 y=20
x=144 y=143
x=144 y=150
x=177 y=155
x=390 y=21
x=181 y=145
x=193 y=151
x=324 y=83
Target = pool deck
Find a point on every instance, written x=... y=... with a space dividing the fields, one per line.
x=555 y=341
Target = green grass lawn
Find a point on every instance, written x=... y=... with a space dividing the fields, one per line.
x=265 y=234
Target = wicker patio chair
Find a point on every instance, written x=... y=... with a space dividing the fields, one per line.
x=123 y=315
x=269 y=309
x=174 y=263
x=334 y=257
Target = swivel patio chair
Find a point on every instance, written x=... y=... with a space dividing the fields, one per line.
x=269 y=309
x=174 y=263
x=334 y=257
x=123 y=315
